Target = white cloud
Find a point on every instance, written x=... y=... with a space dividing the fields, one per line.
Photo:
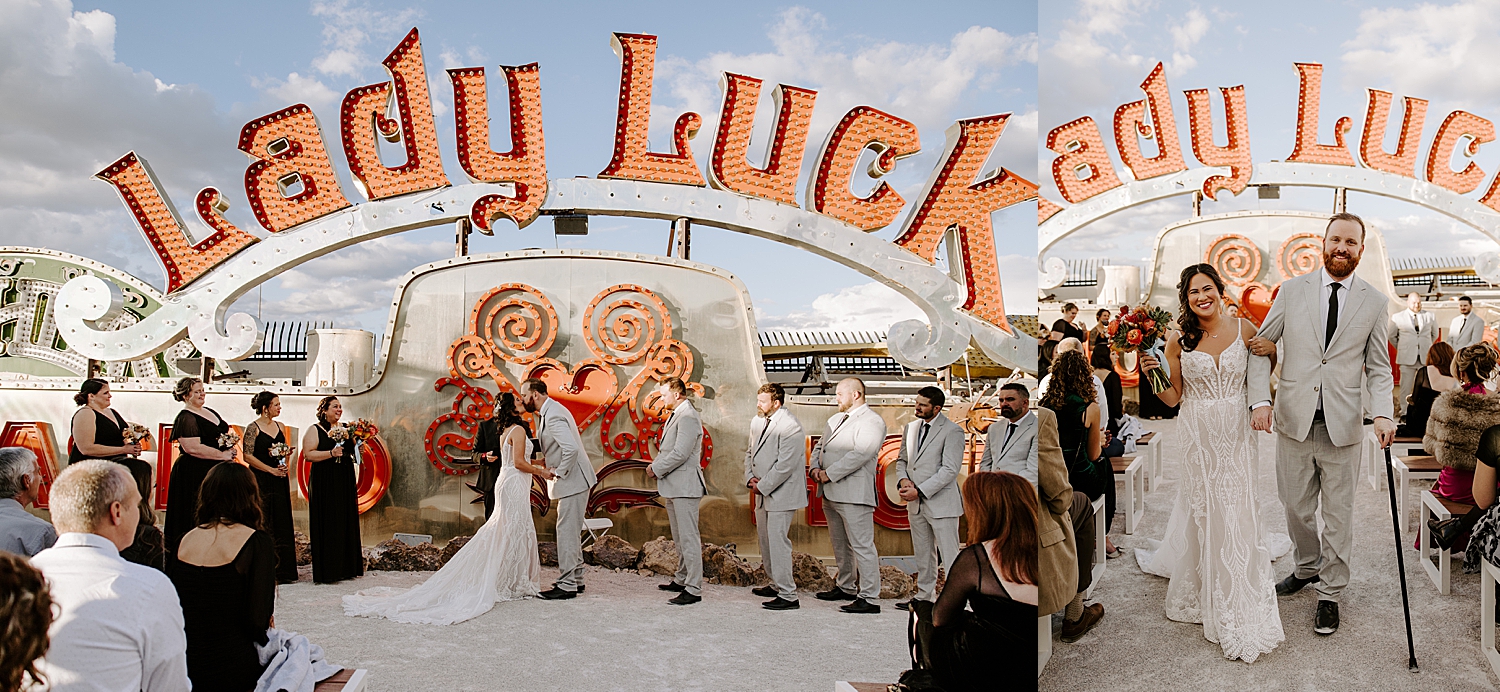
x=297 y=89
x=1447 y=52
x=349 y=26
x=871 y=306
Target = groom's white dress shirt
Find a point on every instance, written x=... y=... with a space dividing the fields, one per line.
x=118 y=625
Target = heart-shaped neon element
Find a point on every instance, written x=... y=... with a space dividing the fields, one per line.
x=586 y=389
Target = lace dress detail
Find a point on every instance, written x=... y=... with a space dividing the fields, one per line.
x=500 y=563
x=1215 y=548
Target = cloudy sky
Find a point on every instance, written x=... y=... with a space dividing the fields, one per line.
x=85 y=82
x=1095 y=53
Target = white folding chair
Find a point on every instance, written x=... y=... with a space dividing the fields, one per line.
x=595 y=529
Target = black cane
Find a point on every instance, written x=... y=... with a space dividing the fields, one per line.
x=1390 y=484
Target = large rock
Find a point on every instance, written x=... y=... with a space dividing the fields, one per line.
x=660 y=556
x=809 y=573
x=722 y=566
x=896 y=584
x=395 y=556
x=548 y=553
x=452 y=549
x=612 y=552
x=303 y=547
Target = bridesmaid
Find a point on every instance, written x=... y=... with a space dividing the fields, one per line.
x=196 y=431
x=98 y=433
x=333 y=506
x=271 y=478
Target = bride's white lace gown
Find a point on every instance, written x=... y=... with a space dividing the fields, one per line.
x=500 y=563
x=1215 y=549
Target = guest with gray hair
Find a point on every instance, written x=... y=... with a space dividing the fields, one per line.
x=20 y=484
x=119 y=625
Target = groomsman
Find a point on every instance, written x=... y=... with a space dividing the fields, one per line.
x=774 y=465
x=1412 y=331
x=679 y=481
x=1011 y=445
x=563 y=454
x=843 y=464
x=932 y=450
x=1467 y=329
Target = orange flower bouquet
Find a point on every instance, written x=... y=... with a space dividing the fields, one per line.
x=1145 y=330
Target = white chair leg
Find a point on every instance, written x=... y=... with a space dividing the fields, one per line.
x=1043 y=642
x=1099 y=553
x=1488 y=576
x=1403 y=478
x=1441 y=572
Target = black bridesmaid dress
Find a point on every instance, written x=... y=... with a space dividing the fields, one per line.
x=276 y=504
x=333 y=514
x=109 y=431
x=188 y=472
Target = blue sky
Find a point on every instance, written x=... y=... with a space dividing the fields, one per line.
x=87 y=81
x=1095 y=53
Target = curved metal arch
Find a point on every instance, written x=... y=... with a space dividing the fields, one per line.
x=199 y=308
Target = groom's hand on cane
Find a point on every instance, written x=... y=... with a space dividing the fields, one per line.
x=1385 y=431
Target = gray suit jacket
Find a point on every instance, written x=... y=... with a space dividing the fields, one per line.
x=1413 y=335
x=847 y=452
x=563 y=448
x=1464 y=332
x=934 y=465
x=779 y=459
x=1019 y=455
x=678 y=470
x=1356 y=356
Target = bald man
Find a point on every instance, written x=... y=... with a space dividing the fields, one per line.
x=1412 y=332
x=843 y=464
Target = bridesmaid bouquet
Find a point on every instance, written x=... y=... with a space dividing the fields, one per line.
x=281 y=450
x=135 y=432
x=361 y=430
x=1145 y=330
x=228 y=440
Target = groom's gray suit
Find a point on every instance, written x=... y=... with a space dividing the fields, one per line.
x=562 y=447
x=932 y=462
x=1319 y=413
x=679 y=482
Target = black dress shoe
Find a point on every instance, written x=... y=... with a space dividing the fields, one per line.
x=764 y=591
x=836 y=594
x=1446 y=532
x=1328 y=618
x=671 y=586
x=780 y=603
x=861 y=606
x=557 y=594
x=582 y=588
x=905 y=605
x=1292 y=584
x=685 y=598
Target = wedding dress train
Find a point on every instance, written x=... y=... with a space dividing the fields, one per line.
x=500 y=563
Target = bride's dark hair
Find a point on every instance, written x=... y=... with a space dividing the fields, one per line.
x=1192 y=333
x=505 y=413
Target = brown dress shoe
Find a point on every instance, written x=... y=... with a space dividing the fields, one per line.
x=1073 y=631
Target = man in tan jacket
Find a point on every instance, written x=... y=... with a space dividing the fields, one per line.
x=1066 y=534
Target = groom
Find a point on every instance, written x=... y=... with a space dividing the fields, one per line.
x=562 y=453
x=1333 y=347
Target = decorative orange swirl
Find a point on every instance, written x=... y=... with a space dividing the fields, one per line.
x=1300 y=254
x=1236 y=257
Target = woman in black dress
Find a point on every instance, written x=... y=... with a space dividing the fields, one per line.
x=99 y=433
x=271 y=476
x=332 y=503
x=1432 y=380
x=993 y=639
x=197 y=432
x=225 y=574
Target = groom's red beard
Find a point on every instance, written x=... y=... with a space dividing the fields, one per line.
x=1340 y=263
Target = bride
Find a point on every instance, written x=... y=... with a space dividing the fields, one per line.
x=500 y=563
x=1215 y=549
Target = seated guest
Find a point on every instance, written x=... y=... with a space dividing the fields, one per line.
x=225 y=573
x=1484 y=519
x=1011 y=445
x=1066 y=537
x=1114 y=398
x=1063 y=347
x=25 y=615
x=1458 y=420
x=150 y=546
x=985 y=620
x=21 y=532
x=119 y=625
x=1432 y=380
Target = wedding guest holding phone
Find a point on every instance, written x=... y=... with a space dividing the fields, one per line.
x=203 y=440
x=99 y=433
x=267 y=452
x=487 y=451
x=333 y=500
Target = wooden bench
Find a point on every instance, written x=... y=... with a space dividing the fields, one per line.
x=346 y=680
x=1489 y=575
x=1100 y=558
x=1434 y=507
x=1131 y=469
x=1153 y=442
x=1416 y=467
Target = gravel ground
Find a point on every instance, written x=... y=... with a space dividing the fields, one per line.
x=1135 y=647
x=619 y=635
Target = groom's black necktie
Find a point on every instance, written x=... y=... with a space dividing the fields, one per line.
x=1333 y=313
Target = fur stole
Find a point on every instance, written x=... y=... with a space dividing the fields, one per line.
x=1457 y=422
